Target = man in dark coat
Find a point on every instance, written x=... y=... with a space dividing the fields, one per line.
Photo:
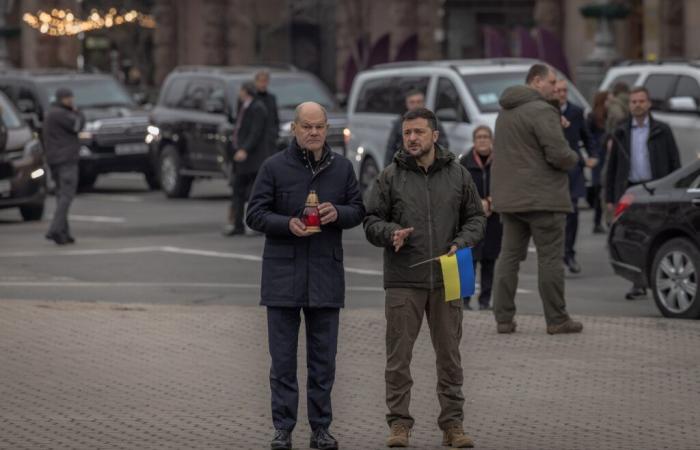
x=62 y=124
x=478 y=163
x=643 y=150
x=414 y=99
x=303 y=270
x=577 y=134
x=262 y=80
x=421 y=206
x=530 y=190
x=250 y=146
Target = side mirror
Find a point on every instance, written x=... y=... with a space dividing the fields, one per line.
x=446 y=115
x=683 y=104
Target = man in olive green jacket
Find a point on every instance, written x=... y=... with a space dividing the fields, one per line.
x=422 y=205
x=530 y=189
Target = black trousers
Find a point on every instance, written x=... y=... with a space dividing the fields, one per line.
x=485 y=281
x=571 y=231
x=66 y=178
x=321 y=347
x=242 y=186
x=595 y=201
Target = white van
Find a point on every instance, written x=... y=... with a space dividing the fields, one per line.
x=462 y=93
x=674 y=88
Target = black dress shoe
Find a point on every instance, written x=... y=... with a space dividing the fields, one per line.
x=485 y=307
x=282 y=440
x=573 y=266
x=59 y=239
x=635 y=293
x=70 y=239
x=322 y=440
x=598 y=229
x=231 y=230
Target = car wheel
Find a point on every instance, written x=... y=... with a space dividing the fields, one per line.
x=32 y=212
x=86 y=181
x=173 y=183
x=368 y=172
x=152 y=180
x=674 y=279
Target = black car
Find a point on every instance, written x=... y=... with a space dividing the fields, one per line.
x=22 y=173
x=115 y=129
x=193 y=121
x=655 y=240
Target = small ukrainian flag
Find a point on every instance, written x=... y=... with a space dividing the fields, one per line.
x=458 y=275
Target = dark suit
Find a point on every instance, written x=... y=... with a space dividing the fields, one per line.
x=250 y=135
x=273 y=122
x=576 y=134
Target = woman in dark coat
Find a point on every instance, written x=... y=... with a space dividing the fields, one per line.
x=596 y=126
x=478 y=162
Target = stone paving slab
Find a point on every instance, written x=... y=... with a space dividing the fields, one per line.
x=105 y=376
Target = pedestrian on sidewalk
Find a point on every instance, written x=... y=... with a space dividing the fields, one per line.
x=596 y=127
x=576 y=133
x=530 y=190
x=424 y=204
x=643 y=149
x=262 y=81
x=478 y=163
x=62 y=124
x=414 y=99
x=250 y=148
x=302 y=270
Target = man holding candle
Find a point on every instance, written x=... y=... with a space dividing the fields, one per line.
x=295 y=191
x=424 y=204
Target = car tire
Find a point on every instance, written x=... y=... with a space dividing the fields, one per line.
x=369 y=170
x=86 y=181
x=172 y=182
x=152 y=180
x=32 y=212
x=674 y=279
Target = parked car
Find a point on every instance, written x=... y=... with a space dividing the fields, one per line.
x=462 y=93
x=654 y=240
x=113 y=137
x=193 y=121
x=674 y=88
x=22 y=173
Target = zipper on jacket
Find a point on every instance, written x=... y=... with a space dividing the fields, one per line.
x=430 y=229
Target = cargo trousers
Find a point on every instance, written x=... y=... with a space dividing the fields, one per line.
x=547 y=230
x=404 y=311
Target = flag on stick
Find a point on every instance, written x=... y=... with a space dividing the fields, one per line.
x=458 y=274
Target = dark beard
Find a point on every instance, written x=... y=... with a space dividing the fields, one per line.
x=423 y=151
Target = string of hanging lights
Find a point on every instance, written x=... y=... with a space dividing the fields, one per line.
x=60 y=22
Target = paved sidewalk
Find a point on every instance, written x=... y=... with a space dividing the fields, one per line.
x=103 y=376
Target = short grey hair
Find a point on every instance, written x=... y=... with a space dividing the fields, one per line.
x=297 y=111
x=262 y=73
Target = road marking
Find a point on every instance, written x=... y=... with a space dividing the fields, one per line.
x=210 y=253
x=93 y=252
x=150 y=284
x=113 y=198
x=98 y=219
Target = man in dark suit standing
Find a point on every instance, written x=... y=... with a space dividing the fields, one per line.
x=262 y=80
x=643 y=149
x=250 y=148
x=577 y=134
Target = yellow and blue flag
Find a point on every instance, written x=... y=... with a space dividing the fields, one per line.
x=458 y=274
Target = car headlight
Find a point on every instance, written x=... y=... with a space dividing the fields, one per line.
x=347 y=135
x=286 y=127
x=154 y=130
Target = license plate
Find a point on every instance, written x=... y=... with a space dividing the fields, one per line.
x=131 y=149
x=5 y=188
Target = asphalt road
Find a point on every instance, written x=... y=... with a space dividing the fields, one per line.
x=136 y=246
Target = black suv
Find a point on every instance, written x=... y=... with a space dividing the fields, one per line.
x=193 y=121
x=22 y=175
x=115 y=129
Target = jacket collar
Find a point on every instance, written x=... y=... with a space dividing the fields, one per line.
x=305 y=157
x=406 y=161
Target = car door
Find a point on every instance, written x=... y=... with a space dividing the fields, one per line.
x=692 y=202
x=209 y=127
x=686 y=124
x=196 y=125
x=451 y=112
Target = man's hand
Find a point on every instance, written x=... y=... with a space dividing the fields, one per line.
x=240 y=155
x=486 y=206
x=565 y=123
x=297 y=227
x=452 y=251
x=611 y=207
x=328 y=213
x=399 y=237
x=591 y=162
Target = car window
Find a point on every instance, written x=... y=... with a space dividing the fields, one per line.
x=448 y=105
x=690 y=181
x=10 y=116
x=629 y=79
x=174 y=92
x=688 y=87
x=201 y=94
x=291 y=91
x=660 y=89
x=27 y=101
x=91 y=92
x=387 y=95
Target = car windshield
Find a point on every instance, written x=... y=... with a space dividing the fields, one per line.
x=290 y=92
x=486 y=88
x=10 y=116
x=92 y=92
